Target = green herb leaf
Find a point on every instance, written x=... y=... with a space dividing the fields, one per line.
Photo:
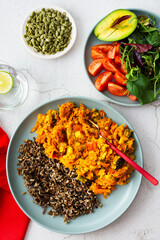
x=142 y=89
x=154 y=39
x=153 y=22
x=145 y=86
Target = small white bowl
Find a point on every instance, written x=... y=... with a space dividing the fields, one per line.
x=58 y=54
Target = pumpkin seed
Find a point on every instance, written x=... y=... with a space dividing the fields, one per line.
x=48 y=31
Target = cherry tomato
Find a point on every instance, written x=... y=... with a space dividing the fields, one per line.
x=133 y=98
x=95 y=54
x=102 y=47
x=118 y=60
x=109 y=65
x=95 y=67
x=117 y=45
x=102 y=80
x=112 y=52
x=123 y=70
x=116 y=89
x=120 y=78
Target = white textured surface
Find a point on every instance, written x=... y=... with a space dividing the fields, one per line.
x=49 y=79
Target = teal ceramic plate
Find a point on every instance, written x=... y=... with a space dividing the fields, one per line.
x=113 y=207
x=91 y=41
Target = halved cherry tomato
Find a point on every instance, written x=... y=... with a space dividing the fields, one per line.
x=117 y=45
x=116 y=89
x=109 y=65
x=133 y=98
x=123 y=70
x=111 y=53
x=102 y=80
x=120 y=78
x=102 y=47
x=95 y=67
x=95 y=54
x=114 y=51
x=118 y=60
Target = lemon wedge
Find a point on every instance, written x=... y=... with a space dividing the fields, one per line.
x=6 y=82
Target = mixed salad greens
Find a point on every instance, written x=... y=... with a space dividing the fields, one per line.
x=141 y=54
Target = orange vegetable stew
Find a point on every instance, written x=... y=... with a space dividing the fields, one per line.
x=68 y=137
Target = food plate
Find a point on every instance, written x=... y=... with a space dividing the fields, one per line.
x=91 y=41
x=58 y=54
x=113 y=207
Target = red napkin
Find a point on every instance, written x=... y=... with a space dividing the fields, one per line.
x=13 y=222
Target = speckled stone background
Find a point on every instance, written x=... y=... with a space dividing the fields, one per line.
x=65 y=76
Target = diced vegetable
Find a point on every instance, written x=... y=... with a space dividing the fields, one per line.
x=133 y=98
x=95 y=67
x=112 y=53
x=123 y=70
x=102 y=47
x=108 y=56
x=102 y=80
x=118 y=59
x=120 y=78
x=109 y=65
x=117 y=90
x=95 y=54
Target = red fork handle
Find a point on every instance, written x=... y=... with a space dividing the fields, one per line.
x=133 y=164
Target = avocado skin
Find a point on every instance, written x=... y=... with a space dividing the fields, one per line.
x=104 y=32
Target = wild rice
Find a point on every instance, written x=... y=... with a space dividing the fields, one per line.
x=52 y=185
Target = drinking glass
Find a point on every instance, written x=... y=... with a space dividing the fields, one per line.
x=19 y=91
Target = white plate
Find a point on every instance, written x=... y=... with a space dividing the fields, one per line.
x=58 y=54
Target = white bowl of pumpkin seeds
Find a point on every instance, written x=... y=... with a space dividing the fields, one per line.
x=49 y=32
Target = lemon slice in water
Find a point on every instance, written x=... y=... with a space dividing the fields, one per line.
x=6 y=82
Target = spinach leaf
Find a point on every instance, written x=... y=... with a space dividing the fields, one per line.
x=142 y=89
x=154 y=39
x=141 y=55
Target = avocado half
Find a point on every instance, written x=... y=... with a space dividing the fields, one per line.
x=117 y=25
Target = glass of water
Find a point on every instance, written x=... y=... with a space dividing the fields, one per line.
x=19 y=91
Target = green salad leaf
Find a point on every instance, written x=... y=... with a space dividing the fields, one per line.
x=141 y=55
x=153 y=39
x=142 y=89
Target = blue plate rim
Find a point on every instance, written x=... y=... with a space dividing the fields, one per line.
x=140 y=176
x=87 y=74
